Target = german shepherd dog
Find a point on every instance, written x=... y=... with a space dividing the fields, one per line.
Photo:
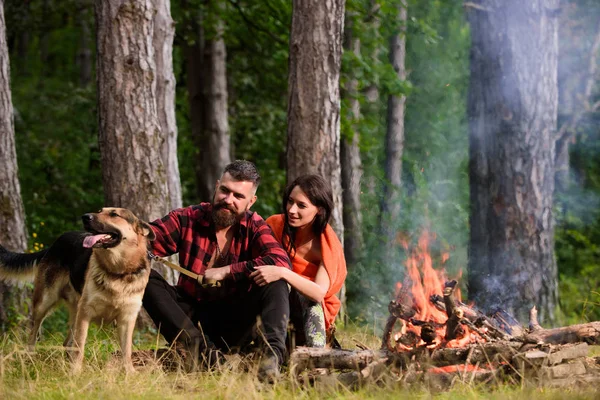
x=101 y=274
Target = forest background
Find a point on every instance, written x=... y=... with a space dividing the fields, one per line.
x=54 y=92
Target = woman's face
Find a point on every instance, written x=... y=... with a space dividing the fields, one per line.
x=300 y=210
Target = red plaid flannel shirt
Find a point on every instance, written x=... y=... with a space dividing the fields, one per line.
x=190 y=232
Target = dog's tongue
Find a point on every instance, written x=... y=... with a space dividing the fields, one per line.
x=90 y=241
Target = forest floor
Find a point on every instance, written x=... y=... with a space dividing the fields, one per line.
x=45 y=374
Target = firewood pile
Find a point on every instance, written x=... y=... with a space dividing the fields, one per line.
x=454 y=342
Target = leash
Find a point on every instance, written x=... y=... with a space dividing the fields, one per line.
x=198 y=278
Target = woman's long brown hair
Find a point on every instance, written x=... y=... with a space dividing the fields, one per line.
x=320 y=195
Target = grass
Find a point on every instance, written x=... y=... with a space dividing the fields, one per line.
x=45 y=374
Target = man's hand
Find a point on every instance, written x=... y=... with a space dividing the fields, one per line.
x=217 y=274
x=266 y=274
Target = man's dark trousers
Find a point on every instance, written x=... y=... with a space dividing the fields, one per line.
x=224 y=323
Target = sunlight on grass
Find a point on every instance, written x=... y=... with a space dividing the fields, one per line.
x=46 y=374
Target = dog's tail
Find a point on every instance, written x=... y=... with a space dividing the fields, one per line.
x=18 y=266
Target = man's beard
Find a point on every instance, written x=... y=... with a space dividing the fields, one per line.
x=224 y=216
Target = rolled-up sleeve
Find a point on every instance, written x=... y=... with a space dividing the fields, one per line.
x=265 y=250
x=168 y=233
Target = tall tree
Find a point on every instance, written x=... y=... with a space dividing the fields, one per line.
x=351 y=163
x=130 y=135
x=512 y=109
x=207 y=96
x=164 y=32
x=314 y=97
x=13 y=233
x=394 y=138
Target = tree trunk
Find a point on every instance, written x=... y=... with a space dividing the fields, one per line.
x=352 y=165
x=314 y=98
x=164 y=32
x=394 y=142
x=576 y=103
x=215 y=139
x=13 y=232
x=130 y=135
x=512 y=109
x=207 y=94
x=84 y=53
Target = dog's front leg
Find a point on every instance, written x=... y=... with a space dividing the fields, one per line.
x=82 y=324
x=125 y=329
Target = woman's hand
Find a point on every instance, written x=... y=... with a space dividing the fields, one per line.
x=266 y=274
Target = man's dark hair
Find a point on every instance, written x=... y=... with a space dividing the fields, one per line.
x=242 y=170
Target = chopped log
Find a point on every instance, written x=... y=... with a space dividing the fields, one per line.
x=481 y=353
x=588 y=333
x=310 y=357
x=371 y=373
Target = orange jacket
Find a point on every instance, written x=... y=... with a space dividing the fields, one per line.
x=332 y=255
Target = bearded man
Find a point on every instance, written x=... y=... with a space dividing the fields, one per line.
x=224 y=241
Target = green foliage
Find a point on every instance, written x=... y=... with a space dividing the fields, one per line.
x=577 y=204
x=59 y=160
x=55 y=121
x=434 y=195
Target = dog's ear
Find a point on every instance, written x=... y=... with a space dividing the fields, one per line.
x=146 y=230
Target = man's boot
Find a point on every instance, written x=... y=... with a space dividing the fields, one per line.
x=269 y=368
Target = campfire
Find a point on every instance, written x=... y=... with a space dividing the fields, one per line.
x=427 y=309
x=431 y=335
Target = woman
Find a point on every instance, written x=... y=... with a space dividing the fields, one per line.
x=319 y=267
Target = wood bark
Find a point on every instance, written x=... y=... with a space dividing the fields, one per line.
x=164 y=32
x=312 y=357
x=13 y=231
x=313 y=132
x=512 y=110
x=215 y=145
x=394 y=142
x=588 y=333
x=130 y=135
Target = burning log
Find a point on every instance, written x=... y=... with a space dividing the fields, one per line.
x=428 y=333
x=507 y=323
x=454 y=313
x=469 y=312
x=400 y=309
x=409 y=340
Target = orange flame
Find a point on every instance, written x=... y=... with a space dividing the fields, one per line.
x=426 y=282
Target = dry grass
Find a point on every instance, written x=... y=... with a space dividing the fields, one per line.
x=45 y=374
